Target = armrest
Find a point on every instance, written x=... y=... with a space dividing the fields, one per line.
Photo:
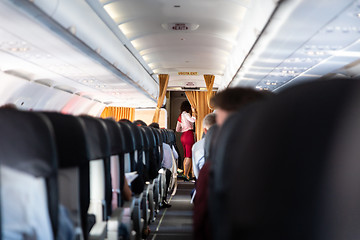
x=114 y=223
x=98 y=232
x=115 y=219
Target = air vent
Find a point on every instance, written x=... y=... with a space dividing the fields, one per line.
x=180 y=26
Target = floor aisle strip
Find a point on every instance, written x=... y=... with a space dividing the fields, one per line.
x=162 y=217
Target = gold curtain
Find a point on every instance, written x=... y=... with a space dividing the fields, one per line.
x=118 y=113
x=198 y=101
x=209 y=81
x=163 y=83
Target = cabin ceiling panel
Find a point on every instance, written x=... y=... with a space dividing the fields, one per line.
x=218 y=27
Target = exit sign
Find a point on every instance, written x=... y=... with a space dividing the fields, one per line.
x=188 y=73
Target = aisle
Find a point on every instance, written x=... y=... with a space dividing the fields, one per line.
x=175 y=223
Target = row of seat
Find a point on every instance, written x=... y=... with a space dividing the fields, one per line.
x=288 y=167
x=83 y=161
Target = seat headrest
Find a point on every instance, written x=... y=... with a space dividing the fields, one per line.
x=27 y=142
x=117 y=139
x=157 y=134
x=146 y=138
x=129 y=140
x=70 y=139
x=97 y=138
x=172 y=137
x=210 y=138
x=275 y=155
x=136 y=135
x=164 y=135
x=150 y=136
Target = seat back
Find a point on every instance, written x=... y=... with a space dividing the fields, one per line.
x=73 y=158
x=118 y=147
x=153 y=152
x=164 y=135
x=100 y=177
x=275 y=172
x=210 y=141
x=129 y=143
x=28 y=174
x=134 y=136
x=146 y=153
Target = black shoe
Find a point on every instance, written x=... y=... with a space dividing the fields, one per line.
x=165 y=205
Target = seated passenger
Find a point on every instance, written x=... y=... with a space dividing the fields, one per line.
x=198 y=148
x=24 y=206
x=140 y=123
x=226 y=103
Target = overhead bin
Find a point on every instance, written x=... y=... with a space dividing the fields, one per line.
x=79 y=18
x=303 y=41
x=82 y=52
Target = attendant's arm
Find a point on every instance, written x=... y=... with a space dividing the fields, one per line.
x=178 y=126
x=189 y=118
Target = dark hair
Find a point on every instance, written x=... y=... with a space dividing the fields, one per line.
x=154 y=125
x=124 y=120
x=185 y=106
x=8 y=106
x=231 y=99
x=140 y=123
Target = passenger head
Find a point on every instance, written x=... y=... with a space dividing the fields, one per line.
x=124 y=120
x=232 y=99
x=154 y=125
x=209 y=121
x=185 y=106
x=9 y=106
x=140 y=123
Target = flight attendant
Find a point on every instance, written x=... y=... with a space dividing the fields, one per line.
x=185 y=125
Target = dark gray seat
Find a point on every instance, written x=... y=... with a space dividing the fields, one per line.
x=152 y=153
x=73 y=157
x=210 y=141
x=135 y=142
x=118 y=149
x=275 y=175
x=99 y=147
x=27 y=145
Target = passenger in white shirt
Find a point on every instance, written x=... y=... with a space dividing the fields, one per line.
x=198 y=150
x=24 y=206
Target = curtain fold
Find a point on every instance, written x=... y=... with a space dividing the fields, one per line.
x=198 y=101
x=209 y=81
x=118 y=113
x=163 y=83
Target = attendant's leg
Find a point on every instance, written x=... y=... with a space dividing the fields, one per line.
x=187 y=166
